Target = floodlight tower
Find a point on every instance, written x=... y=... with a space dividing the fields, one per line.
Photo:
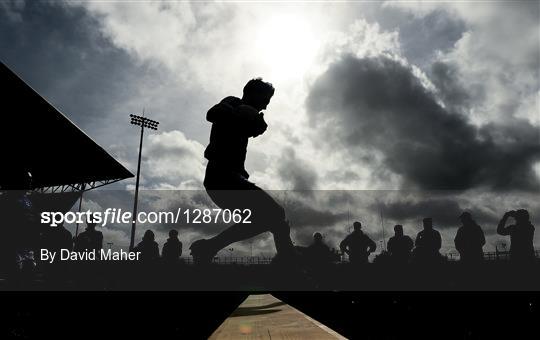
x=143 y=122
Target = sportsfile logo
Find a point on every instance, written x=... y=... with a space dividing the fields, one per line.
x=118 y=216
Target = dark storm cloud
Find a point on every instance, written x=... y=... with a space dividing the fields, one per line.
x=343 y=175
x=379 y=104
x=444 y=76
x=302 y=212
x=444 y=212
x=296 y=172
x=74 y=67
x=422 y=37
x=338 y=198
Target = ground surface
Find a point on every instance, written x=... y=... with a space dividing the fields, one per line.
x=196 y=315
x=263 y=316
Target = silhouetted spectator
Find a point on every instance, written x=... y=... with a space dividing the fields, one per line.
x=357 y=245
x=234 y=121
x=148 y=247
x=20 y=226
x=172 y=249
x=469 y=240
x=400 y=246
x=428 y=243
x=90 y=239
x=521 y=235
x=57 y=238
x=318 y=251
x=54 y=239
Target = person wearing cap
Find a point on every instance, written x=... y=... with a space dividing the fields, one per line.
x=521 y=235
x=469 y=240
x=400 y=246
x=428 y=243
x=357 y=245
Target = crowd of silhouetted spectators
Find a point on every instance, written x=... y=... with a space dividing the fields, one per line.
x=425 y=249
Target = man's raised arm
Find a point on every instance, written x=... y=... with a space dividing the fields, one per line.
x=501 y=228
x=250 y=120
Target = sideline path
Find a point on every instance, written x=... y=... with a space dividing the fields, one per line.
x=265 y=317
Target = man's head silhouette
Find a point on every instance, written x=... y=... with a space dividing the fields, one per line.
x=357 y=226
x=173 y=233
x=317 y=237
x=521 y=216
x=428 y=223
x=257 y=93
x=148 y=236
x=398 y=229
x=465 y=217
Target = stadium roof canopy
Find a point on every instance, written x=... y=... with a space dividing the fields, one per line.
x=38 y=138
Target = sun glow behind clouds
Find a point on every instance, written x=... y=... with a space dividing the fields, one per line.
x=286 y=45
x=536 y=168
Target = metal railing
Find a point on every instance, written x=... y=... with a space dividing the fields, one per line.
x=490 y=255
x=258 y=260
x=240 y=260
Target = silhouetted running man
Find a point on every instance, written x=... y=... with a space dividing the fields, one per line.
x=428 y=243
x=90 y=239
x=400 y=246
x=357 y=245
x=172 y=249
x=469 y=240
x=521 y=235
x=234 y=121
x=318 y=251
x=148 y=247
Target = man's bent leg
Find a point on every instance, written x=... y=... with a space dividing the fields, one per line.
x=266 y=215
x=282 y=238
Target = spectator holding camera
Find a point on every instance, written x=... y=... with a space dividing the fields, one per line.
x=521 y=235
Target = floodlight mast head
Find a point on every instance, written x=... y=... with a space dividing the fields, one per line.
x=144 y=122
